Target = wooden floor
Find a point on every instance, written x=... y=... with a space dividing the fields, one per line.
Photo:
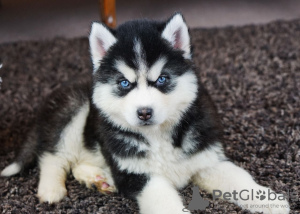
x=44 y=19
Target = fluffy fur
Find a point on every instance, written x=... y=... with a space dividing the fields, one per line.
x=143 y=126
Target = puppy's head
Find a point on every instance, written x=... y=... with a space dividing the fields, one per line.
x=142 y=72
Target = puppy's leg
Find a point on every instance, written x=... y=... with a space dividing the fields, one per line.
x=227 y=177
x=52 y=178
x=94 y=176
x=160 y=197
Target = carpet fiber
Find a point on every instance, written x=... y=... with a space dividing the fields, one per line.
x=252 y=73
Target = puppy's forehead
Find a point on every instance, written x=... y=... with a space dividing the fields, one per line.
x=140 y=55
x=142 y=68
x=132 y=74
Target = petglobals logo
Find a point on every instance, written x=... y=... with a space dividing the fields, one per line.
x=265 y=198
x=246 y=195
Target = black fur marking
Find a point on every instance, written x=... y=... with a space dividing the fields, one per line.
x=124 y=149
x=97 y=124
x=182 y=128
x=92 y=133
x=59 y=109
x=129 y=184
x=203 y=118
x=27 y=155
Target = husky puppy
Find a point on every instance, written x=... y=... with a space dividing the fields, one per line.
x=144 y=126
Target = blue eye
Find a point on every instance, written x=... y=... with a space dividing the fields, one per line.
x=161 y=80
x=125 y=84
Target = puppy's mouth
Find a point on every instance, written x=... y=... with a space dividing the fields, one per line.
x=146 y=123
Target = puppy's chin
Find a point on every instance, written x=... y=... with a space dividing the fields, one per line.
x=139 y=124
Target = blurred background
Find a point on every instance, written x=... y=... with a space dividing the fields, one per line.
x=46 y=19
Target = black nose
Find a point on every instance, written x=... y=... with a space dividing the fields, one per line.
x=144 y=113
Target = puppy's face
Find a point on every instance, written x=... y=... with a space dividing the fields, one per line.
x=144 y=77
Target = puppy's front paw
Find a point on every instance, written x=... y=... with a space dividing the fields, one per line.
x=94 y=177
x=51 y=194
x=100 y=183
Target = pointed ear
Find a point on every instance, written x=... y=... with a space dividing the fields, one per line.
x=176 y=32
x=101 y=39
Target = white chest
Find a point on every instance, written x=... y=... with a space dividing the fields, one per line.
x=165 y=160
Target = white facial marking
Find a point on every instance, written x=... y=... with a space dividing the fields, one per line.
x=156 y=69
x=167 y=108
x=128 y=72
x=139 y=56
x=141 y=64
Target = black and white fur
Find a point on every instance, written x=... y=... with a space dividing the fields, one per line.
x=94 y=128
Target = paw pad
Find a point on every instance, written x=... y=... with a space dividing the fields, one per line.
x=102 y=186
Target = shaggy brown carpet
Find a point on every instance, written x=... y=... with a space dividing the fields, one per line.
x=252 y=73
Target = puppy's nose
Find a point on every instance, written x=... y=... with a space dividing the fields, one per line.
x=144 y=113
